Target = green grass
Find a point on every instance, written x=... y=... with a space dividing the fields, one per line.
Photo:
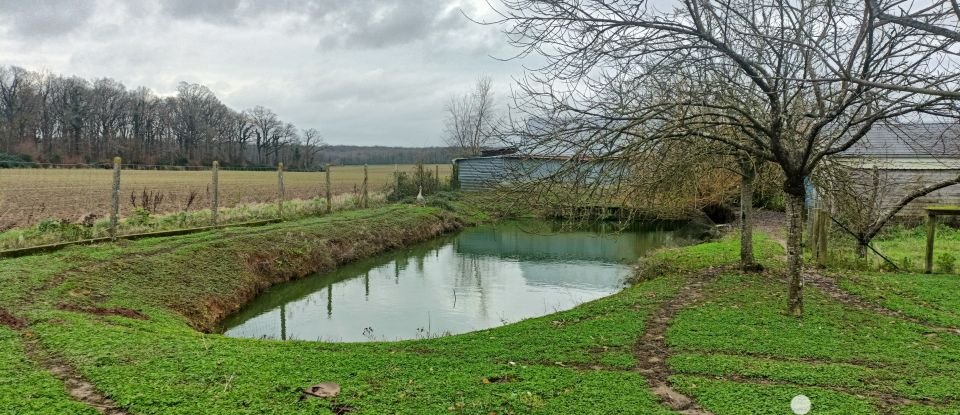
x=932 y=298
x=735 y=351
x=577 y=359
x=742 y=333
x=27 y=389
x=53 y=231
x=906 y=247
x=756 y=399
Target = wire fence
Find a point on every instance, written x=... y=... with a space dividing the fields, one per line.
x=44 y=203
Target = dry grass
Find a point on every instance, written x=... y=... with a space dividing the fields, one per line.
x=28 y=196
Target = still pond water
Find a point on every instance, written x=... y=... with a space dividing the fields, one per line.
x=480 y=278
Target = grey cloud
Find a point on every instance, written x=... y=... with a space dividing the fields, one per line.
x=30 y=18
x=218 y=11
x=337 y=23
x=380 y=87
x=382 y=73
x=388 y=23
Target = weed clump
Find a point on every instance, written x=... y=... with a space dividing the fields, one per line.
x=946 y=262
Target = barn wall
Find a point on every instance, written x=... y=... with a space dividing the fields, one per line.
x=487 y=172
x=480 y=173
x=904 y=181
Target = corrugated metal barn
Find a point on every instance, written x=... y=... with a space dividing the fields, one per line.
x=907 y=156
x=481 y=173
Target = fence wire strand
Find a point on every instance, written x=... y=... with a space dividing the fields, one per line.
x=32 y=195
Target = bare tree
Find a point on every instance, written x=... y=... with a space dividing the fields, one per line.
x=471 y=118
x=16 y=102
x=936 y=20
x=789 y=65
x=243 y=130
x=265 y=122
x=867 y=197
x=51 y=118
x=281 y=137
x=311 y=143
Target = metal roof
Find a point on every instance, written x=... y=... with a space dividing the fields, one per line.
x=901 y=163
x=919 y=140
x=518 y=156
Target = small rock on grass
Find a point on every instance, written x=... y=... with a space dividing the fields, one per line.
x=323 y=390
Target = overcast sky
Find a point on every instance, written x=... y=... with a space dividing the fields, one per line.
x=366 y=72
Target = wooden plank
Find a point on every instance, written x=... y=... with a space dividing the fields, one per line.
x=943 y=210
x=931 y=232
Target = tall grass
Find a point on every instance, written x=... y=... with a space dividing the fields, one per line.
x=905 y=246
x=51 y=231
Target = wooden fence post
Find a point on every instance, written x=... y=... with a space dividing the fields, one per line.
x=365 y=194
x=115 y=202
x=822 y=236
x=454 y=176
x=215 y=183
x=396 y=181
x=437 y=176
x=280 y=190
x=329 y=195
x=420 y=178
x=931 y=233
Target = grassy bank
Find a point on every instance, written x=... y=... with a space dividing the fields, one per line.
x=904 y=246
x=54 y=231
x=126 y=318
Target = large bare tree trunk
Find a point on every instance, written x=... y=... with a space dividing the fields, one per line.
x=795 y=253
x=747 y=177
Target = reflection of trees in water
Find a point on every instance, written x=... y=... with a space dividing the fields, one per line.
x=330 y=301
x=473 y=263
x=470 y=271
x=538 y=240
x=283 y=322
x=366 y=286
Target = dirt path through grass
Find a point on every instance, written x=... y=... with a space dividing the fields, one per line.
x=76 y=386
x=829 y=287
x=652 y=351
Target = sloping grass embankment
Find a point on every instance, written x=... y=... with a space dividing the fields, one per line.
x=126 y=319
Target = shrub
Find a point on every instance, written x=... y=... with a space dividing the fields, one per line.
x=14 y=161
x=409 y=184
x=49 y=225
x=946 y=262
x=139 y=217
x=906 y=263
x=67 y=231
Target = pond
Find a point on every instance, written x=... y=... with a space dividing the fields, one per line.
x=482 y=277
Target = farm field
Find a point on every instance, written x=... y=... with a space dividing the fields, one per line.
x=28 y=196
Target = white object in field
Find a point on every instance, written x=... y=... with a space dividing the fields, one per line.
x=420 y=198
x=801 y=405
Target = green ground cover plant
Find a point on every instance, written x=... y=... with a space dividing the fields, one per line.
x=132 y=319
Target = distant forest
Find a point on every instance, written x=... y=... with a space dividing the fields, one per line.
x=384 y=155
x=50 y=118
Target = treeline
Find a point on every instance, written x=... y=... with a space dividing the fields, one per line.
x=385 y=155
x=50 y=118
